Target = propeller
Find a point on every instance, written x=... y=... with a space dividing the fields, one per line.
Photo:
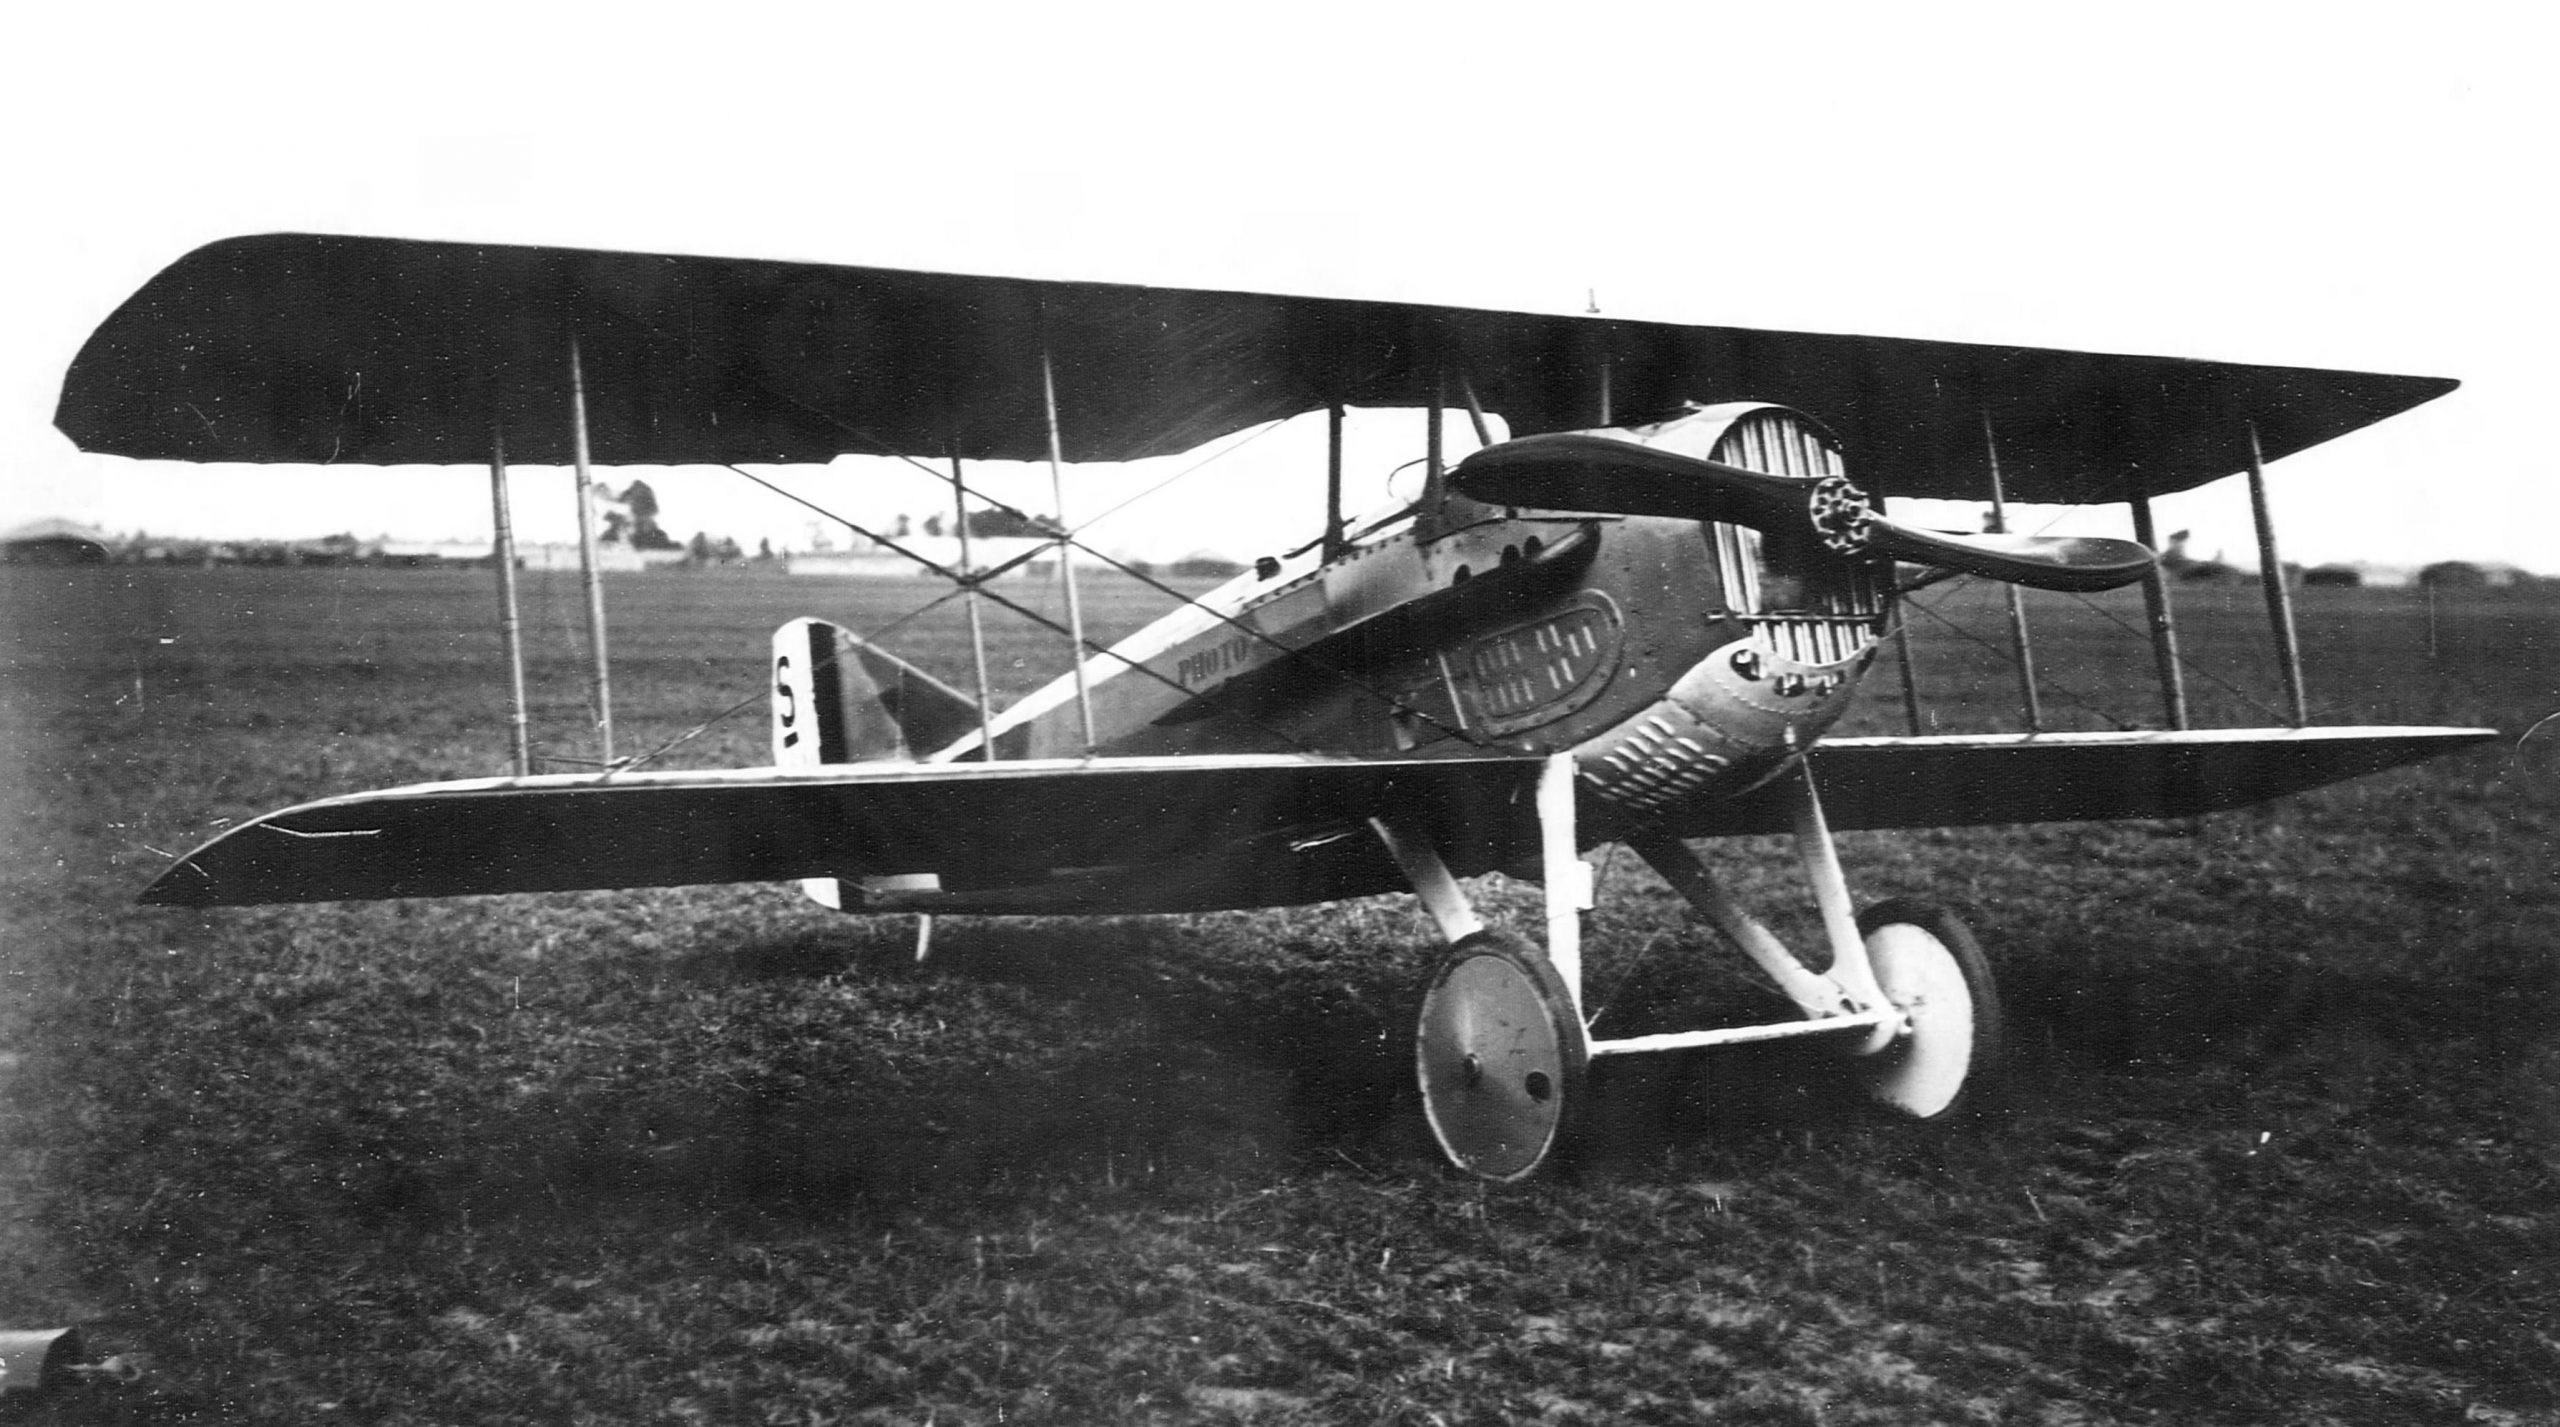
x=1582 y=470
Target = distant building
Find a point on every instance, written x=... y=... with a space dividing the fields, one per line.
x=2470 y=575
x=53 y=542
x=1207 y=565
x=2446 y=574
x=448 y=554
x=878 y=561
x=432 y=554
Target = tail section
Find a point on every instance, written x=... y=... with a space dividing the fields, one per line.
x=839 y=700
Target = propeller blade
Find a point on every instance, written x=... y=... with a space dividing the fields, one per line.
x=2080 y=564
x=1579 y=470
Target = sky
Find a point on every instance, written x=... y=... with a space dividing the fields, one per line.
x=2337 y=185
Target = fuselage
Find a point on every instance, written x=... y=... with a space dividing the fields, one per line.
x=1676 y=659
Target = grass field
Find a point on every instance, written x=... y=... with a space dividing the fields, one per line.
x=2282 y=1144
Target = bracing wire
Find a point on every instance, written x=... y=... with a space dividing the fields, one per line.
x=2184 y=662
x=621 y=765
x=1063 y=538
x=2007 y=655
x=699 y=729
x=1203 y=463
x=2125 y=481
x=966 y=580
x=2111 y=616
x=874 y=636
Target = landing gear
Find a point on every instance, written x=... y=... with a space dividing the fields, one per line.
x=1933 y=973
x=1502 y=1048
x=1501 y=1055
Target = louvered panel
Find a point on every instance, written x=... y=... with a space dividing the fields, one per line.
x=1845 y=606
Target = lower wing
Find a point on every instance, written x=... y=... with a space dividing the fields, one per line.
x=1104 y=834
x=1175 y=834
x=1967 y=779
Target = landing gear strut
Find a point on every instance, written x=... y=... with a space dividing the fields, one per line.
x=1502 y=1048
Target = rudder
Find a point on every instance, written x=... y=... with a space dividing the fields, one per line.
x=839 y=700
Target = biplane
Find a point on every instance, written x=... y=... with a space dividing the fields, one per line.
x=1631 y=617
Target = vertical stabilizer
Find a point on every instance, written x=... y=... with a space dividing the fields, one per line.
x=804 y=658
x=839 y=700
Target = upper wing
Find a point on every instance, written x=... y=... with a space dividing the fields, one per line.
x=305 y=348
x=1965 y=779
x=1106 y=834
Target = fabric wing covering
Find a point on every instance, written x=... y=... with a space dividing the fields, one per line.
x=375 y=351
x=1151 y=835
x=1126 y=834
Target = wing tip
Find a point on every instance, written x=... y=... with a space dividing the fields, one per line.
x=181 y=884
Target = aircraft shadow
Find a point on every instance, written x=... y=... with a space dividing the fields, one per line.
x=1119 y=1053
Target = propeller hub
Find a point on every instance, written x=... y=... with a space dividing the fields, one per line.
x=1842 y=515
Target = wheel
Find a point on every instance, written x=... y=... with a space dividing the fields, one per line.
x=1501 y=1055
x=1933 y=970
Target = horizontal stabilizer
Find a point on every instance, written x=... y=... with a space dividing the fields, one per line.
x=1964 y=780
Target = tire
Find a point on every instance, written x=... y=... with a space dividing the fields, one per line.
x=1501 y=1056
x=1930 y=966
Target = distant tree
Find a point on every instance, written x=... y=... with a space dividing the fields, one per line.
x=726 y=550
x=698 y=549
x=2336 y=576
x=2175 y=559
x=933 y=525
x=2453 y=575
x=615 y=524
x=764 y=548
x=643 y=503
x=1003 y=524
x=2182 y=566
